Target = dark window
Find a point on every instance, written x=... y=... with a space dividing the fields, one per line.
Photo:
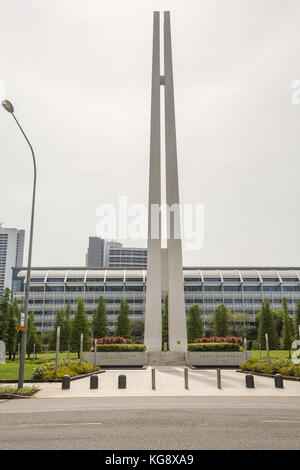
x=193 y=288
x=55 y=279
x=212 y=279
x=271 y=288
x=55 y=288
x=114 y=279
x=134 y=288
x=36 y=288
x=94 y=288
x=75 y=279
x=290 y=288
x=192 y=279
x=212 y=288
x=74 y=288
x=292 y=279
x=134 y=279
x=231 y=279
x=37 y=279
x=251 y=279
x=251 y=288
x=270 y=279
x=232 y=288
x=94 y=279
x=114 y=288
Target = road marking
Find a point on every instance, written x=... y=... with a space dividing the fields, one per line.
x=59 y=424
x=281 y=421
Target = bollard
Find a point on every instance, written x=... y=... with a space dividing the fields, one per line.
x=65 y=384
x=186 y=377
x=122 y=381
x=219 y=378
x=278 y=381
x=153 y=378
x=249 y=381
x=94 y=381
x=165 y=347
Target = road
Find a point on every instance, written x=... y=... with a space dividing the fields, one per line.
x=151 y=423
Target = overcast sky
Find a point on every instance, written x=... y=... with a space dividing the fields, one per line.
x=79 y=75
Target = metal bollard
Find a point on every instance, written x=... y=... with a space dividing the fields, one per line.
x=94 y=381
x=219 y=378
x=186 y=377
x=65 y=384
x=249 y=381
x=122 y=381
x=153 y=378
x=278 y=381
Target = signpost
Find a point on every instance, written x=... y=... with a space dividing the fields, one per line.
x=57 y=348
x=267 y=348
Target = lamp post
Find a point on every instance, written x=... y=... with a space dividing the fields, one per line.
x=9 y=107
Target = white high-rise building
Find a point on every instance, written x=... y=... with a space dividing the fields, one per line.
x=11 y=254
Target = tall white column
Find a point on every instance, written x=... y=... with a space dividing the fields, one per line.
x=153 y=316
x=176 y=304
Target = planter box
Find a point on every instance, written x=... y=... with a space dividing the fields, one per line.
x=226 y=358
x=116 y=359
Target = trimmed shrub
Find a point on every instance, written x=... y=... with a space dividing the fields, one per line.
x=277 y=366
x=219 y=339
x=26 y=391
x=214 y=347
x=120 y=348
x=65 y=367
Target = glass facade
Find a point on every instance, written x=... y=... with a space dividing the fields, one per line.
x=241 y=290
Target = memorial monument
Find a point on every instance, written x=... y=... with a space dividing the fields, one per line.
x=164 y=266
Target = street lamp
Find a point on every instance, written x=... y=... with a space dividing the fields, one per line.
x=9 y=107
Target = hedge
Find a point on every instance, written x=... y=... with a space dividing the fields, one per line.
x=120 y=348
x=72 y=368
x=277 y=366
x=214 y=347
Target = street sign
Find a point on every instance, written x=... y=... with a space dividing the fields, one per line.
x=22 y=328
x=22 y=322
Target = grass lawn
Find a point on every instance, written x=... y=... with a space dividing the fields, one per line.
x=273 y=354
x=10 y=370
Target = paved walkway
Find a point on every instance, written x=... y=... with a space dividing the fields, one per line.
x=170 y=382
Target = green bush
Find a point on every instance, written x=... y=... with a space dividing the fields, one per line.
x=72 y=368
x=284 y=367
x=120 y=348
x=214 y=347
x=26 y=391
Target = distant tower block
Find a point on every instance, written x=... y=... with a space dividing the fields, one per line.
x=164 y=268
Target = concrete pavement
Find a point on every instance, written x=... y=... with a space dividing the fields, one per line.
x=170 y=382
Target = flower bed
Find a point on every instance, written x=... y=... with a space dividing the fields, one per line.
x=214 y=347
x=72 y=368
x=112 y=340
x=11 y=391
x=219 y=339
x=284 y=367
x=120 y=348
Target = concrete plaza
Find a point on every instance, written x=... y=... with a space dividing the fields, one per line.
x=170 y=382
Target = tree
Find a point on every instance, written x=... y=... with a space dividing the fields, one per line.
x=165 y=324
x=239 y=324
x=286 y=337
x=100 y=323
x=267 y=325
x=80 y=325
x=195 y=325
x=32 y=336
x=4 y=314
x=123 y=322
x=66 y=328
x=59 y=318
x=221 y=317
x=137 y=328
x=297 y=319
